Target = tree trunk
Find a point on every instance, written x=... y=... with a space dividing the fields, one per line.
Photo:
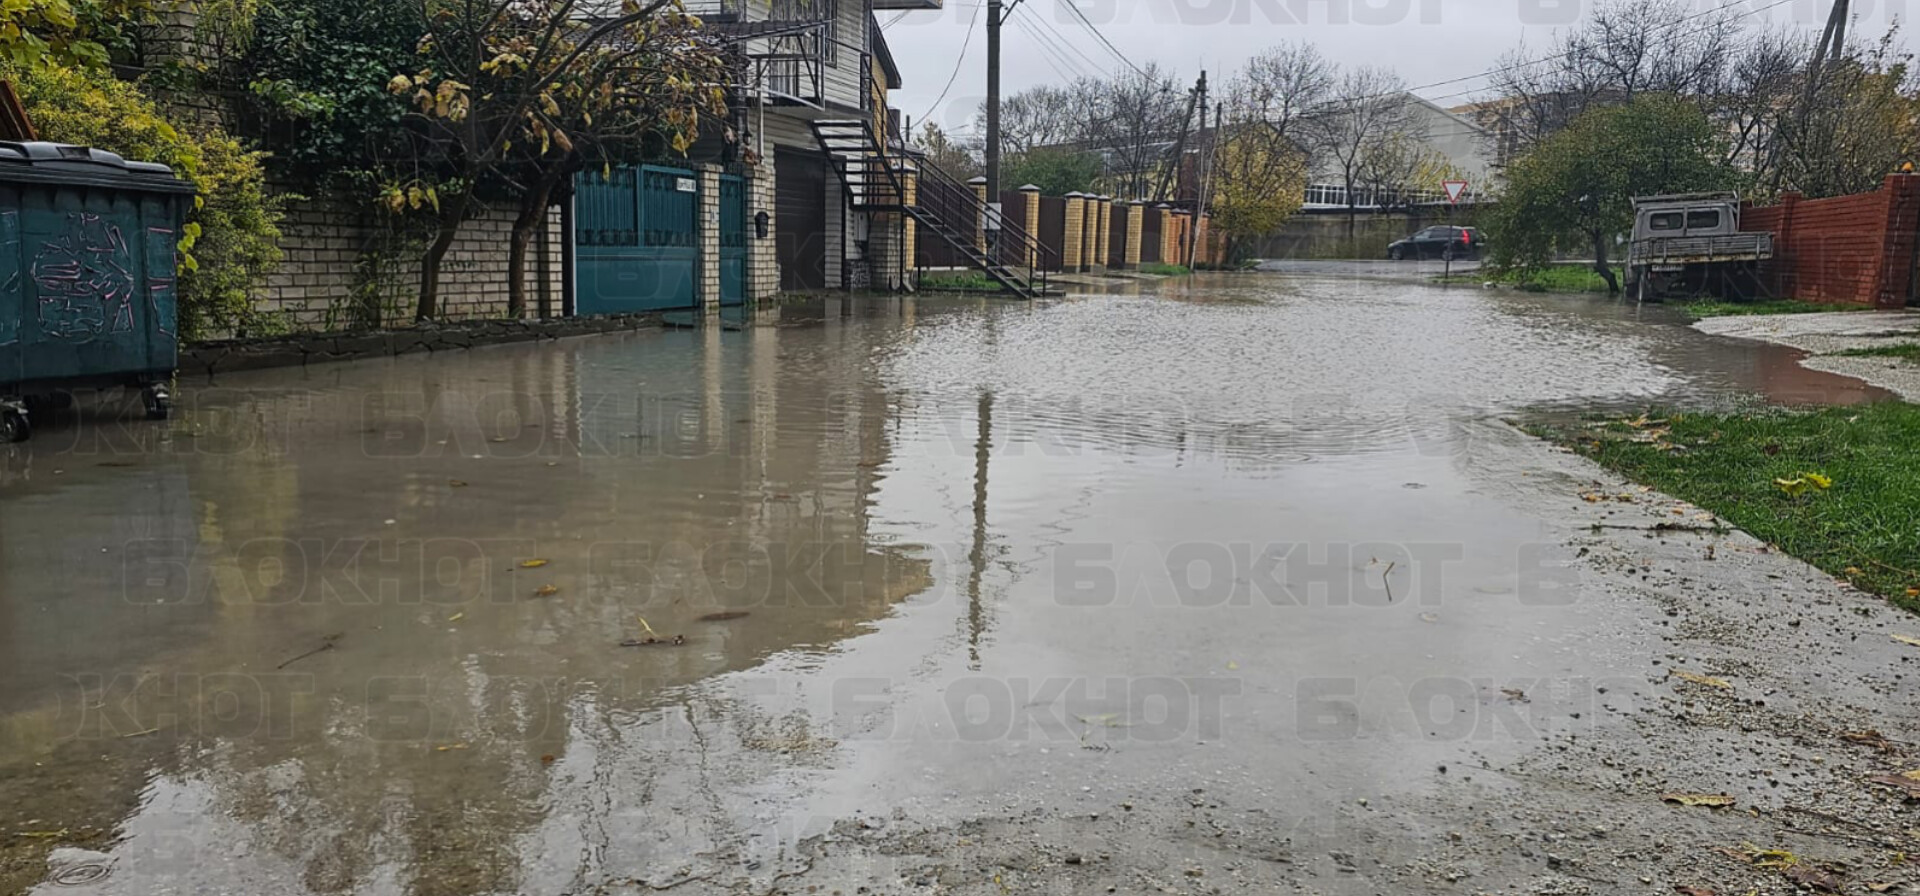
x=453 y=211
x=533 y=211
x=1600 y=265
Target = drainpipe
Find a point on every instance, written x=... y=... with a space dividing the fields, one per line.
x=568 y=287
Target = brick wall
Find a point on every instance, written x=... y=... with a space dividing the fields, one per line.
x=1845 y=249
x=763 y=263
x=323 y=244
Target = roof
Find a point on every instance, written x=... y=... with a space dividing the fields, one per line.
x=882 y=53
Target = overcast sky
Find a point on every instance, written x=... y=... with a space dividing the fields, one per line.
x=1426 y=41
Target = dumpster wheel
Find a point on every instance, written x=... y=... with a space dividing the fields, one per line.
x=14 y=427
x=158 y=401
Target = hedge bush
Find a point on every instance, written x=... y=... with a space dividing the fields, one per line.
x=231 y=241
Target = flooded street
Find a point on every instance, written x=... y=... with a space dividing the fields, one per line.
x=1240 y=583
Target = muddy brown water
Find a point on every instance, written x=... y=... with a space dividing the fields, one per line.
x=358 y=628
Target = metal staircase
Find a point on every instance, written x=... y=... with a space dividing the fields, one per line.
x=874 y=181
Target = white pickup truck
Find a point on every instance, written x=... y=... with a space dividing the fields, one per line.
x=1691 y=244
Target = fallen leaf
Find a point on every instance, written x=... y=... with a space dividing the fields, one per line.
x=1907 y=639
x=1711 y=800
x=1819 y=481
x=1913 y=592
x=455 y=483
x=456 y=617
x=445 y=747
x=1707 y=680
x=1769 y=858
x=532 y=564
x=1869 y=738
x=1793 y=487
x=545 y=591
x=546 y=759
x=1909 y=786
x=723 y=616
x=1879 y=887
x=1684 y=890
x=1516 y=695
x=1816 y=878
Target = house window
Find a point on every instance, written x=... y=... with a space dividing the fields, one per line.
x=1703 y=219
x=1664 y=221
x=831 y=10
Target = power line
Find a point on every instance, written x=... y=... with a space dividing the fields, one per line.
x=1070 y=4
x=1061 y=45
x=1053 y=50
x=957 y=63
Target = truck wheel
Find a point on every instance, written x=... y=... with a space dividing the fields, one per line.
x=14 y=427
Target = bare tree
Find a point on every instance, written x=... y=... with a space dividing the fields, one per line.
x=1763 y=85
x=1130 y=120
x=1279 y=87
x=1367 y=115
x=1044 y=116
x=1859 y=125
x=950 y=156
x=1625 y=48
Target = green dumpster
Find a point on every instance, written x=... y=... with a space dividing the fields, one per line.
x=88 y=245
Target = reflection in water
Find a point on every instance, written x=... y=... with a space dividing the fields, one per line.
x=357 y=628
x=361 y=622
x=977 y=554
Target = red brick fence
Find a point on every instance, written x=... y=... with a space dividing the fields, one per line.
x=1857 y=249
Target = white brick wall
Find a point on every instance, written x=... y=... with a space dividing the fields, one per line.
x=321 y=245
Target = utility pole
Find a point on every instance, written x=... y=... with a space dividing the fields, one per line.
x=1203 y=177
x=1179 y=150
x=1833 y=43
x=995 y=12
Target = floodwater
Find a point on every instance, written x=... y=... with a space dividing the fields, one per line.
x=359 y=628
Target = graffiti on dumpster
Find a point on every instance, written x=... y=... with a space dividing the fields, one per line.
x=161 y=246
x=86 y=287
x=10 y=282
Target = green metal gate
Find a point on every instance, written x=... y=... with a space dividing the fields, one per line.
x=636 y=239
x=733 y=240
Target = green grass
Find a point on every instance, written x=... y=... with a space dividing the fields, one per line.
x=1704 y=308
x=1171 y=270
x=1905 y=351
x=1556 y=278
x=966 y=281
x=1862 y=529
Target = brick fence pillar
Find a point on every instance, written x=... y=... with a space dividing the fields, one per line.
x=763 y=262
x=1071 y=241
x=979 y=185
x=1102 y=231
x=1030 y=215
x=1136 y=231
x=1897 y=246
x=910 y=194
x=1165 y=212
x=706 y=286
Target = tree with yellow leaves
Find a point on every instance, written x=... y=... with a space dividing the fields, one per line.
x=1259 y=180
x=527 y=92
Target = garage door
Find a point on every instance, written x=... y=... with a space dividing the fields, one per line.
x=800 y=187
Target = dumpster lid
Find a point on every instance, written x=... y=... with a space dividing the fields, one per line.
x=61 y=163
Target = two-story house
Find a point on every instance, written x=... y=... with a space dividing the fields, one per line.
x=804 y=62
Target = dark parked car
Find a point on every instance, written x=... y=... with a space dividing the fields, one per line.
x=1439 y=242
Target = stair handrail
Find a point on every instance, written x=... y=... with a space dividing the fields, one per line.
x=1032 y=254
